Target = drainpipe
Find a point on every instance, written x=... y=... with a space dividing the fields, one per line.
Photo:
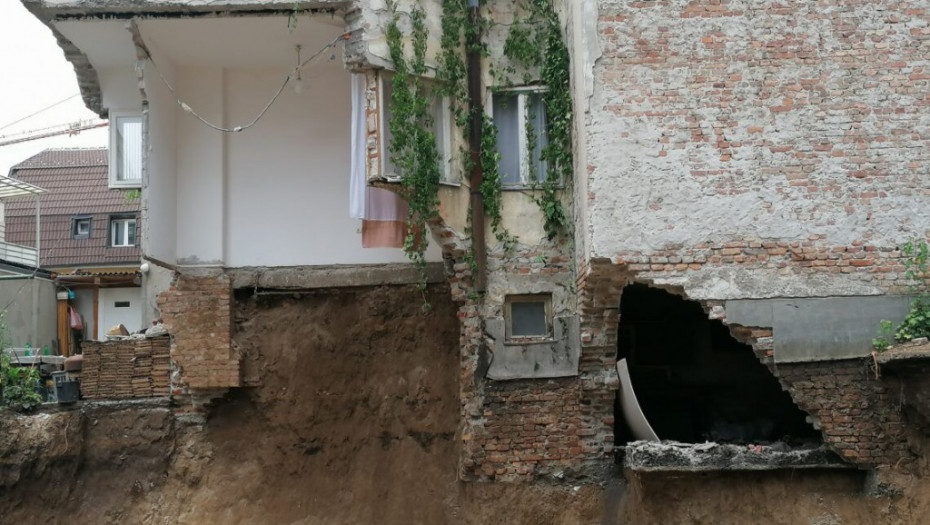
x=476 y=110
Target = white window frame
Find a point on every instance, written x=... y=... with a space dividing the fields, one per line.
x=521 y=93
x=119 y=230
x=114 y=174
x=442 y=119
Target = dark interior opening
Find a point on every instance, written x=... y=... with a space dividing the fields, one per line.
x=695 y=382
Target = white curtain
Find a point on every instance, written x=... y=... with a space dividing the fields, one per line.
x=359 y=153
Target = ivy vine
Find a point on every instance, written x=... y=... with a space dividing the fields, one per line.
x=533 y=48
x=413 y=148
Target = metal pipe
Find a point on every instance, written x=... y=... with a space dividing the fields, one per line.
x=38 y=233
x=476 y=111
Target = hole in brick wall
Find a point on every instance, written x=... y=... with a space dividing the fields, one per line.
x=695 y=382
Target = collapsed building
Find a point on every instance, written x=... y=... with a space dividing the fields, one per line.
x=741 y=181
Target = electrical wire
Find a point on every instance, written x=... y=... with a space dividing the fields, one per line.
x=46 y=108
x=186 y=107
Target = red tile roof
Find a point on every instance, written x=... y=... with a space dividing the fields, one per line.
x=77 y=184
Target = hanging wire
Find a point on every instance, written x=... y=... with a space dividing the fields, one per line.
x=183 y=105
x=46 y=108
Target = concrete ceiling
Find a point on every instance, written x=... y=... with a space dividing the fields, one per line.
x=231 y=41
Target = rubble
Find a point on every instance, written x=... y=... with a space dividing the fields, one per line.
x=672 y=456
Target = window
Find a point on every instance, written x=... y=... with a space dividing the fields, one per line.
x=122 y=231
x=528 y=316
x=80 y=227
x=125 y=150
x=520 y=117
x=442 y=128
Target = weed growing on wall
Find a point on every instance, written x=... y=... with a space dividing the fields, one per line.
x=916 y=323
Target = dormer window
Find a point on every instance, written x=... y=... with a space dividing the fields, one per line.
x=125 y=150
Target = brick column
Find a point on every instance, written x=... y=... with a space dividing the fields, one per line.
x=197 y=310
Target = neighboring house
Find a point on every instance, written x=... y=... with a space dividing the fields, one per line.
x=88 y=231
x=27 y=292
x=740 y=159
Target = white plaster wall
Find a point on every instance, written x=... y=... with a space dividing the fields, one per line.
x=120 y=88
x=200 y=161
x=276 y=194
x=288 y=177
x=84 y=304
x=110 y=316
x=159 y=205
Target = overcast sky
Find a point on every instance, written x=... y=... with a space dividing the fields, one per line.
x=36 y=75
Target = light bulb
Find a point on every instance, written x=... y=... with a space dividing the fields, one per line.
x=299 y=84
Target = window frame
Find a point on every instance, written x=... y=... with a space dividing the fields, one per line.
x=521 y=92
x=114 y=164
x=509 y=300
x=74 y=227
x=447 y=175
x=111 y=233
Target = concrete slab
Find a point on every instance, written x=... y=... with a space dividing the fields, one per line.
x=819 y=329
x=556 y=358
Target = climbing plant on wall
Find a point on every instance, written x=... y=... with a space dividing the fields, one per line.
x=535 y=40
x=533 y=48
x=413 y=148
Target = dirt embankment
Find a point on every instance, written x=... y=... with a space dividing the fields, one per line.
x=355 y=422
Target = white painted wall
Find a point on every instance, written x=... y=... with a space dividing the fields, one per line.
x=84 y=304
x=120 y=88
x=276 y=194
x=110 y=315
x=201 y=162
x=159 y=202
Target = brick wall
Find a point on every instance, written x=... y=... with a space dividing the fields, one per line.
x=858 y=417
x=198 y=314
x=530 y=428
x=785 y=137
x=125 y=368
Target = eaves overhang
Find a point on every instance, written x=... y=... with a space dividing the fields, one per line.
x=52 y=11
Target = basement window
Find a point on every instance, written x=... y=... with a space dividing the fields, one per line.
x=528 y=317
x=440 y=123
x=125 y=150
x=520 y=117
x=80 y=227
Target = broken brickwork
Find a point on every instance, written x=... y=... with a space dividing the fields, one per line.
x=859 y=418
x=197 y=310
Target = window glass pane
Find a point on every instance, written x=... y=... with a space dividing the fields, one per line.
x=536 y=118
x=114 y=233
x=528 y=319
x=441 y=130
x=129 y=148
x=508 y=137
x=131 y=232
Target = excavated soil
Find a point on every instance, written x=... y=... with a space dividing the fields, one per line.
x=354 y=421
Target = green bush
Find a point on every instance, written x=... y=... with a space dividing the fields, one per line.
x=19 y=386
x=916 y=323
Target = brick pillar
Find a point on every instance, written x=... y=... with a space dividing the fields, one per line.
x=197 y=310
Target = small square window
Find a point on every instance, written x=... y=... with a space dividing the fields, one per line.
x=528 y=316
x=80 y=227
x=125 y=150
x=441 y=124
x=520 y=117
x=122 y=231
